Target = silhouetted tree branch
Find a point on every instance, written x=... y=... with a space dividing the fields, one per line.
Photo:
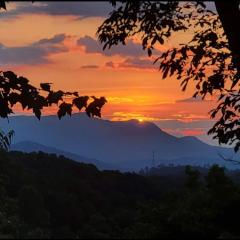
x=17 y=90
x=210 y=59
x=229 y=159
x=5 y=139
x=229 y=15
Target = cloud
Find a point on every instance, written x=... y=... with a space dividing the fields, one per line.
x=193 y=100
x=186 y=132
x=35 y=53
x=82 y=9
x=110 y=64
x=194 y=128
x=79 y=9
x=197 y=128
x=130 y=49
x=56 y=39
x=90 y=66
x=176 y=124
x=136 y=63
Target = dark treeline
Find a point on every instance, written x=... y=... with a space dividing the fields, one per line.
x=45 y=196
x=174 y=170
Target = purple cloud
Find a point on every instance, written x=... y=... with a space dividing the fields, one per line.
x=130 y=49
x=82 y=9
x=78 y=9
x=137 y=63
x=35 y=53
x=132 y=63
x=193 y=100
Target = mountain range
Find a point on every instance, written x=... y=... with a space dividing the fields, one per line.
x=126 y=145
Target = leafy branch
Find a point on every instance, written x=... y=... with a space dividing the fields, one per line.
x=207 y=59
x=5 y=140
x=17 y=90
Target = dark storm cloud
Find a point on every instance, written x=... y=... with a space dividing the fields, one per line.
x=35 y=53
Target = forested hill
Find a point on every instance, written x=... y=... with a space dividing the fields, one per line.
x=45 y=196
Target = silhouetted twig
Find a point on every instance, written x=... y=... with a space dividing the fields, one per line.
x=229 y=159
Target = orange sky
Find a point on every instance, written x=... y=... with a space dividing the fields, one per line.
x=132 y=92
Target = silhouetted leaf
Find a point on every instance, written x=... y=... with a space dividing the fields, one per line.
x=94 y=108
x=64 y=108
x=80 y=102
x=45 y=86
x=37 y=113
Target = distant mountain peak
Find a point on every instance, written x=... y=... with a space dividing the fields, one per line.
x=192 y=139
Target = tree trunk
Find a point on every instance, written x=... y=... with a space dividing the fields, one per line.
x=229 y=15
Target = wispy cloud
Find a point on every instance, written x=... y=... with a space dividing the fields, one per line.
x=89 y=66
x=126 y=116
x=137 y=63
x=186 y=131
x=193 y=100
x=132 y=63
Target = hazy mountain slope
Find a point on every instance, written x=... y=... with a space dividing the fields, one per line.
x=28 y=146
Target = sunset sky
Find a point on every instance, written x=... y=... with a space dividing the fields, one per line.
x=56 y=42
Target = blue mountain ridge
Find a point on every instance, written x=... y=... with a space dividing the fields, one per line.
x=126 y=144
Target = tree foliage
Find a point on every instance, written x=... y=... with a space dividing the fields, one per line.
x=5 y=139
x=17 y=90
x=208 y=59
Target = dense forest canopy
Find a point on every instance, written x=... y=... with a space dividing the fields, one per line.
x=45 y=196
